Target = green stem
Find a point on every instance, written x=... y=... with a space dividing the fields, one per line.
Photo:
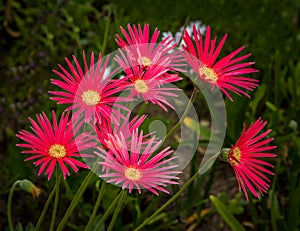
x=10 y=196
x=57 y=177
x=75 y=200
x=112 y=222
x=148 y=220
x=185 y=113
x=199 y=172
x=108 y=211
x=41 y=218
x=100 y=195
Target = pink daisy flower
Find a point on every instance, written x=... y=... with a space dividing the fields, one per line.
x=227 y=73
x=90 y=91
x=52 y=144
x=136 y=166
x=147 y=51
x=148 y=84
x=245 y=156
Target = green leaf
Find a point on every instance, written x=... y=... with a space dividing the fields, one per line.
x=235 y=207
x=275 y=211
x=293 y=211
x=233 y=223
x=29 y=227
x=271 y=106
x=19 y=227
x=257 y=99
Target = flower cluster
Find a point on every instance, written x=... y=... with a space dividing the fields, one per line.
x=96 y=95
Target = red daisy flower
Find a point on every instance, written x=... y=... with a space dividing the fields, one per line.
x=226 y=73
x=245 y=156
x=147 y=51
x=90 y=92
x=55 y=144
x=136 y=166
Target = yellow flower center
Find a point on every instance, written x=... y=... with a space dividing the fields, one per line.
x=209 y=74
x=140 y=86
x=57 y=151
x=235 y=156
x=146 y=61
x=90 y=97
x=133 y=174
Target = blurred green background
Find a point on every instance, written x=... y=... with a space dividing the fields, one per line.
x=37 y=35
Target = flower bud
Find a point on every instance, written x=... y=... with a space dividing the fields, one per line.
x=224 y=154
x=28 y=186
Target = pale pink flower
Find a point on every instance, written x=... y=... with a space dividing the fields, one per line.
x=137 y=166
x=54 y=144
x=226 y=73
